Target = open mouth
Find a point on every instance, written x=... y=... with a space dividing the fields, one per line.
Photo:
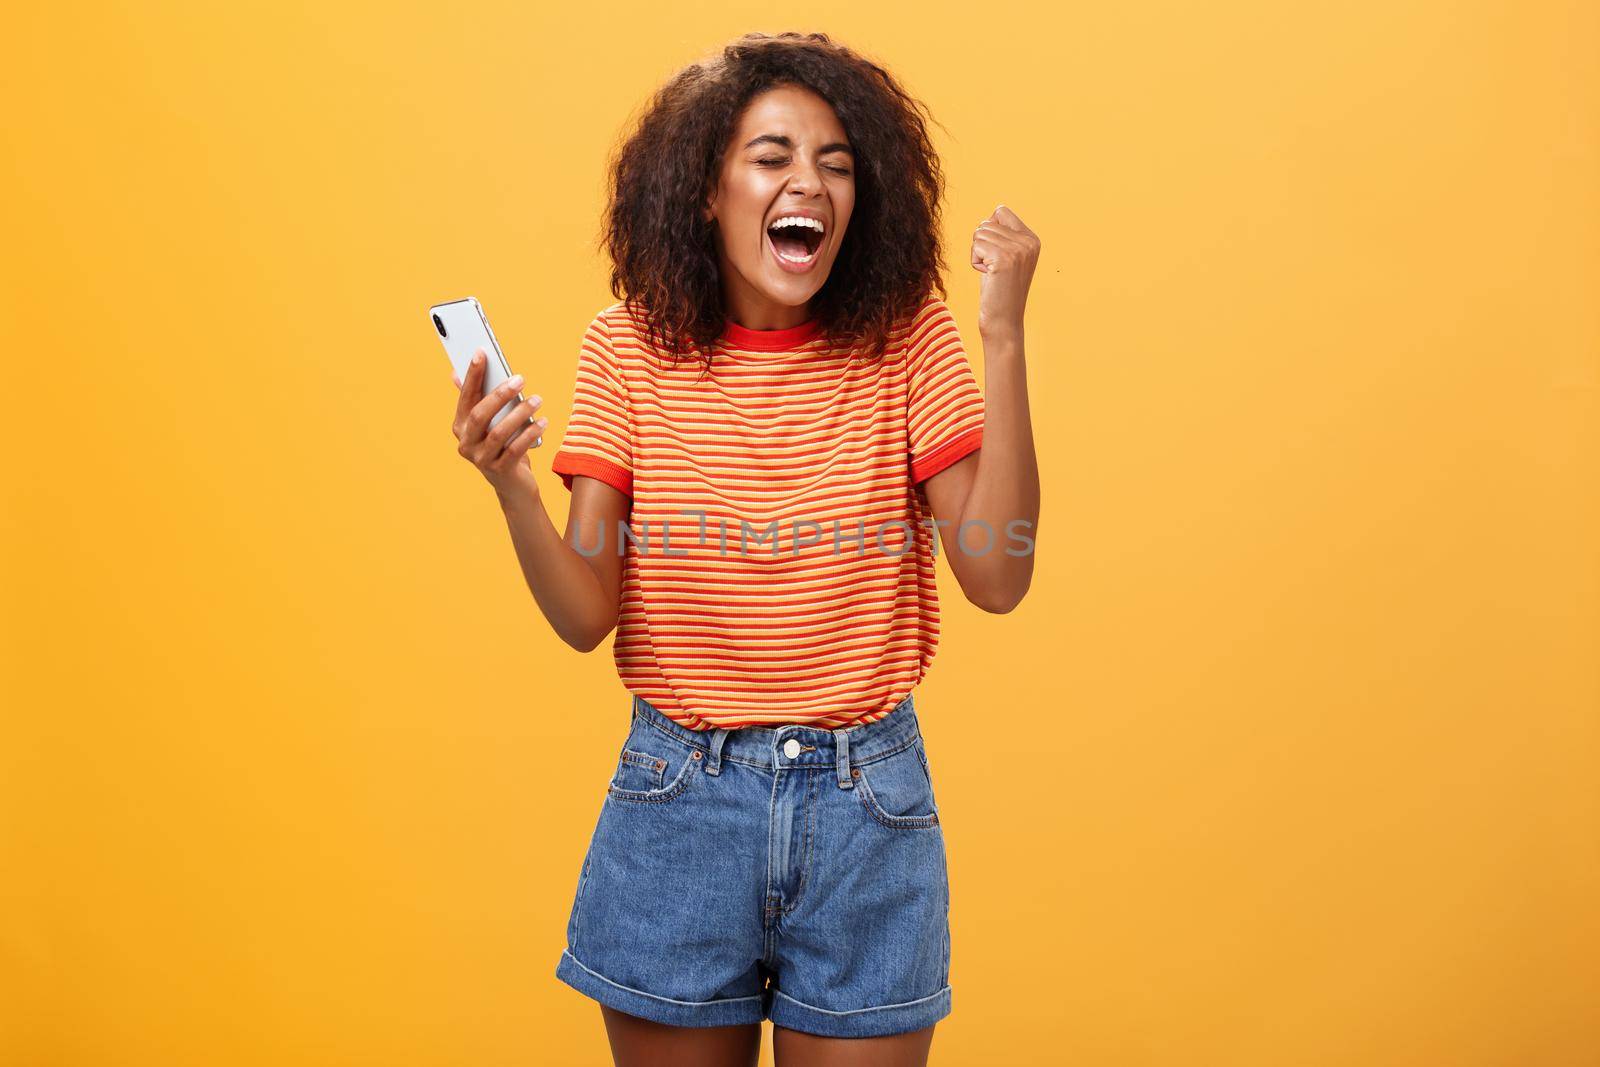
x=795 y=242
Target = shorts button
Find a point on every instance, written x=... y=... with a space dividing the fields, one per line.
x=791 y=748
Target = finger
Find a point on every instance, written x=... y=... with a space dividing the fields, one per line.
x=471 y=387
x=1008 y=218
x=473 y=428
x=514 y=449
x=985 y=254
x=512 y=424
x=1014 y=229
x=530 y=436
x=999 y=234
x=495 y=399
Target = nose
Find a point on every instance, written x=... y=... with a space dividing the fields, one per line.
x=807 y=179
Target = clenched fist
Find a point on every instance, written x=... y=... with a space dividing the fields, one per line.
x=1005 y=252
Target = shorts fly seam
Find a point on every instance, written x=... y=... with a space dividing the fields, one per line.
x=768 y=910
x=805 y=853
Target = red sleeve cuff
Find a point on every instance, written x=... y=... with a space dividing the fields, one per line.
x=937 y=459
x=567 y=464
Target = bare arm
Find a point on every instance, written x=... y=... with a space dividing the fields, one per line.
x=579 y=592
x=992 y=489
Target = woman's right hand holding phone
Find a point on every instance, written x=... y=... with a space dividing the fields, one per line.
x=499 y=452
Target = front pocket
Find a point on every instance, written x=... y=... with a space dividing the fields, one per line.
x=642 y=776
x=639 y=772
x=897 y=790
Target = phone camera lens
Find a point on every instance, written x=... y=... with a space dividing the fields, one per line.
x=438 y=324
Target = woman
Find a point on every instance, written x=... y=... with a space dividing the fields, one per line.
x=780 y=373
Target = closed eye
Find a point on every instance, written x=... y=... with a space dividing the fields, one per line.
x=781 y=162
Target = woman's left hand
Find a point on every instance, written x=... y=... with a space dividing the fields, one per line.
x=1005 y=252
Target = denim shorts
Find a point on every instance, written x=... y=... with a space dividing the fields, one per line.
x=791 y=873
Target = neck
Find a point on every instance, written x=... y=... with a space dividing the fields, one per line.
x=754 y=310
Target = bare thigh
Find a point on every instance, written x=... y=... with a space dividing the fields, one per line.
x=791 y=1048
x=637 y=1042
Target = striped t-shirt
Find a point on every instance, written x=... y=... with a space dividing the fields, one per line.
x=811 y=461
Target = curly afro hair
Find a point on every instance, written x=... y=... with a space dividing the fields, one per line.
x=664 y=254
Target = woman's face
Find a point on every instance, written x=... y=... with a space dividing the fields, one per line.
x=789 y=157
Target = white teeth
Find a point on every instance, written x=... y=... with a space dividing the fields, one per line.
x=798 y=220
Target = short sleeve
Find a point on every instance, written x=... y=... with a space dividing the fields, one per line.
x=598 y=441
x=944 y=406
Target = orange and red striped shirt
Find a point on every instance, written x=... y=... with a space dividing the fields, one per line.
x=810 y=458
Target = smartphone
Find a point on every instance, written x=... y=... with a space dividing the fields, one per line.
x=463 y=328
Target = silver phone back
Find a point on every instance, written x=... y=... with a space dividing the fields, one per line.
x=466 y=329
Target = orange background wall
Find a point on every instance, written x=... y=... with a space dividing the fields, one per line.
x=1289 y=756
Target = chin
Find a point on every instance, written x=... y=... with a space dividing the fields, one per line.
x=789 y=299
x=796 y=293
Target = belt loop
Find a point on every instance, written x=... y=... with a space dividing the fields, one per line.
x=841 y=746
x=714 y=764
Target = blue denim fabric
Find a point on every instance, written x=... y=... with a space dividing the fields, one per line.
x=792 y=873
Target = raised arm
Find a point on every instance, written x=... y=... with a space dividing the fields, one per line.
x=995 y=490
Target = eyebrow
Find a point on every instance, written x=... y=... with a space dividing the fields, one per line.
x=784 y=142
